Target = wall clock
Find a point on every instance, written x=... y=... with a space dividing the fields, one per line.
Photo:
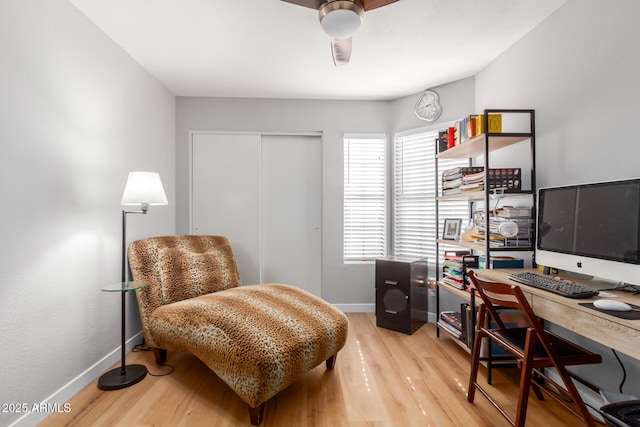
x=428 y=106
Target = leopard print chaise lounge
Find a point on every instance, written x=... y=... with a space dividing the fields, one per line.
x=258 y=339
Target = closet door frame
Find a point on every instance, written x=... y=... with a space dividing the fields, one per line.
x=251 y=257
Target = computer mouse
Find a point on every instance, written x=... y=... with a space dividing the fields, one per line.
x=610 y=304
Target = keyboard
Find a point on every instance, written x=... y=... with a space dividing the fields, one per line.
x=560 y=287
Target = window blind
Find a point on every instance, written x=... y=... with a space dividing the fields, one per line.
x=364 y=199
x=415 y=187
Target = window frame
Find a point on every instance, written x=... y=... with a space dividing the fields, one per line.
x=380 y=233
x=426 y=246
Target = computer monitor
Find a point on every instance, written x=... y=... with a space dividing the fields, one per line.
x=591 y=229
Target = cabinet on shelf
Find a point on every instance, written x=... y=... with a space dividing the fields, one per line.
x=483 y=148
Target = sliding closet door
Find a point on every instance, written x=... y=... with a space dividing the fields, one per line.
x=292 y=211
x=226 y=195
x=264 y=193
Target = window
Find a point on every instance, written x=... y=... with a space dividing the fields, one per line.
x=415 y=187
x=364 y=198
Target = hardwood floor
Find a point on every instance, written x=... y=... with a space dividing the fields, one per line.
x=382 y=378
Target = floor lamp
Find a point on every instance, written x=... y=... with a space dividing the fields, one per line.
x=143 y=189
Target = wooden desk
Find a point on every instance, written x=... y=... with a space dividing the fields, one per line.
x=620 y=334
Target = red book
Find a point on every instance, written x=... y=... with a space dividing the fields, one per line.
x=451 y=137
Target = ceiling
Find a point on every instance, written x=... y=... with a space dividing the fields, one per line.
x=274 y=49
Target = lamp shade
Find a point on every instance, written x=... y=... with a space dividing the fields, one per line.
x=340 y=19
x=144 y=188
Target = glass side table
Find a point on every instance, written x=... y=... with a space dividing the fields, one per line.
x=125 y=375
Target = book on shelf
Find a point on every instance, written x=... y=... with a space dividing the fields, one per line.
x=512 y=212
x=456 y=180
x=472 y=178
x=468 y=188
x=504 y=242
x=467 y=323
x=467 y=128
x=454 y=270
x=443 y=140
x=471 y=125
x=451 y=191
x=453 y=318
x=450 y=329
x=456 y=283
x=460 y=171
x=451 y=137
x=452 y=183
x=495 y=123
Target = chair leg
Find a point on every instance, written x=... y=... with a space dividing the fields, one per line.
x=475 y=363
x=160 y=355
x=574 y=394
x=256 y=414
x=331 y=362
x=526 y=372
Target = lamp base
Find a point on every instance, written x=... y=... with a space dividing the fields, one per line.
x=115 y=379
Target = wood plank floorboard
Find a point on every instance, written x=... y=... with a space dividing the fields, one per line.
x=382 y=379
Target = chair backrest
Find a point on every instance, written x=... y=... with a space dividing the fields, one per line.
x=176 y=268
x=496 y=294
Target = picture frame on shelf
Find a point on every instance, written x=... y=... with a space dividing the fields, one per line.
x=451 y=229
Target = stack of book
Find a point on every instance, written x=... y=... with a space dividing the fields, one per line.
x=453 y=270
x=453 y=180
x=519 y=216
x=467 y=179
x=473 y=181
x=451 y=321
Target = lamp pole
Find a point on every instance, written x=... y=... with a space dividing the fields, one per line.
x=116 y=378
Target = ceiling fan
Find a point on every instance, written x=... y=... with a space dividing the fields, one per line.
x=340 y=19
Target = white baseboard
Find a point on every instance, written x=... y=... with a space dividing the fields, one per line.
x=64 y=394
x=356 y=308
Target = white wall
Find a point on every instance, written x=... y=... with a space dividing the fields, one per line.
x=579 y=69
x=350 y=286
x=76 y=115
x=340 y=284
x=457 y=100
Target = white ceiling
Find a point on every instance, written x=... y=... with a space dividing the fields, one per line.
x=274 y=49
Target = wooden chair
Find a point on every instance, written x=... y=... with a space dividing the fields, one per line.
x=534 y=349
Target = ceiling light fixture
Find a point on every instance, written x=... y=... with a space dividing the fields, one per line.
x=340 y=19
